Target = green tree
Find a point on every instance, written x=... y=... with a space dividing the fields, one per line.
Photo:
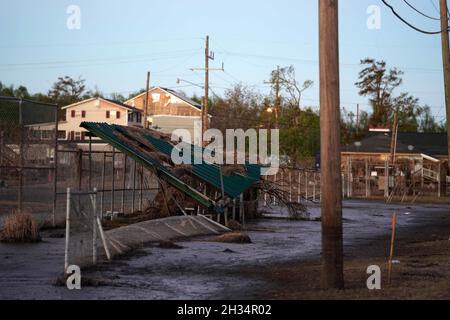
x=427 y=123
x=378 y=83
x=300 y=141
x=66 y=91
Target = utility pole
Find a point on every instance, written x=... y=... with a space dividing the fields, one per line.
x=205 y=120
x=146 y=101
x=209 y=55
x=277 y=98
x=394 y=138
x=446 y=63
x=357 y=119
x=275 y=83
x=332 y=231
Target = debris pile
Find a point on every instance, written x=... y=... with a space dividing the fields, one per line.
x=203 y=188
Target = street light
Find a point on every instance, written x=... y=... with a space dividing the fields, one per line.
x=272 y=110
x=191 y=83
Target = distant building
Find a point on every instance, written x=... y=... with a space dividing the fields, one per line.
x=96 y=110
x=169 y=110
x=420 y=164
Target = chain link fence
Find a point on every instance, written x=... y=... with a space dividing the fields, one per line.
x=84 y=232
x=28 y=141
x=123 y=186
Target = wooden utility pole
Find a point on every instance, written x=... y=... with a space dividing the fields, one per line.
x=332 y=234
x=146 y=101
x=208 y=56
x=394 y=138
x=357 y=119
x=277 y=98
x=205 y=120
x=446 y=63
x=275 y=84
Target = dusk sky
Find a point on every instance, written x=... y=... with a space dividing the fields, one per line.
x=120 y=40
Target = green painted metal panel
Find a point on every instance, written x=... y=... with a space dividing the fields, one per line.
x=234 y=185
x=106 y=133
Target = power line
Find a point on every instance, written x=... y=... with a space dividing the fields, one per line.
x=420 y=12
x=409 y=24
x=96 y=59
x=437 y=9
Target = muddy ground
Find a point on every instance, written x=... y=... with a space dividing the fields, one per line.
x=281 y=262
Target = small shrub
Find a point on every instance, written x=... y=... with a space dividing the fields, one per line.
x=20 y=227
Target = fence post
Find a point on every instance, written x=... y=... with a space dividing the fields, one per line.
x=234 y=208
x=21 y=163
x=134 y=187
x=113 y=171
x=306 y=185
x=314 y=188
x=299 y=190
x=367 y=178
x=274 y=201
x=141 y=192
x=241 y=209
x=90 y=163
x=66 y=251
x=124 y=178
x=55 y=169
x=386 y=183
x=2 y=142
x=94 y=226
x=290 y=185
x=103 y=185
x=265 y=198
x=80 y=169
x=349 y=177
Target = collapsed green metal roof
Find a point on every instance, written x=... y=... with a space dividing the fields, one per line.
x=234 y=184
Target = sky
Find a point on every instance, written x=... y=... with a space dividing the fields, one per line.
x=118 y=41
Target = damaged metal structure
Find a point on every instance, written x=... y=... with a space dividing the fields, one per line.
x=200 y=187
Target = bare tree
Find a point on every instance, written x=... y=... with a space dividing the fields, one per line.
x=290 y=84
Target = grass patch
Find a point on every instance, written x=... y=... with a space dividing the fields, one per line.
x=20 y=228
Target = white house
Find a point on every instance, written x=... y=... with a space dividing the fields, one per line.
x=97 y=110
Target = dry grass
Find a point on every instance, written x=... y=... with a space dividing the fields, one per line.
x=20 y=228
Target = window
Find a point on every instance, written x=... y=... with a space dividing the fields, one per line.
x=77 y=135
x=117 y=114
x=72 y=135
x=107 y=114
x=61 y=134
x=130 y=117
x=83 y=114
x=83 y=135
x=72 y=113
x=47 y=134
